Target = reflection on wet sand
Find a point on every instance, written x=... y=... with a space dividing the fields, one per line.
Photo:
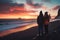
x=7 y=32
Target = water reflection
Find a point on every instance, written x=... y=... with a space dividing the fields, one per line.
x=7 y=32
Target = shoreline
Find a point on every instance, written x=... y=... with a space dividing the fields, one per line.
x=18 y=29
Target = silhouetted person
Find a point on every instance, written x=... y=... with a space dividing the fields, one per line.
x=54 y=28
x=40 y=22
x=58 y=13
x=58 y=17
x=46 y=22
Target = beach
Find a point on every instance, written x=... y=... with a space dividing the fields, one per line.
x=25 y=32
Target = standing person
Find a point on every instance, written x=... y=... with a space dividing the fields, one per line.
x=58 y=14
x=46 y=22
x=40 y=22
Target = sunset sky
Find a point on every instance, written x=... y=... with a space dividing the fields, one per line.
x=20 y=9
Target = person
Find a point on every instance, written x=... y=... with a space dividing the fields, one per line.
x=58 y=14
x=40 y=22
x=54 y=28
x=46 y=22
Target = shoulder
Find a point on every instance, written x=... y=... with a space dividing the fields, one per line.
x=54 y=23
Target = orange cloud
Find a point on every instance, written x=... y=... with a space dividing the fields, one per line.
x=21 y=12
x=17 y=15
x=16 y=8
x=56 y=7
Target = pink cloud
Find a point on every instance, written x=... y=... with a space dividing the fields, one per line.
x=56 y=7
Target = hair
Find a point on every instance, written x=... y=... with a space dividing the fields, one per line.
x=46 y=13
x=40 y=14
x=58 y=12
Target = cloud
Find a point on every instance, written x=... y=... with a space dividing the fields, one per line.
x=5 y=1
x=56 y=7
x=4 y=8
x=46 y=0
x=4 y=5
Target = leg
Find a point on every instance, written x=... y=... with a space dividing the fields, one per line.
x=46 y=29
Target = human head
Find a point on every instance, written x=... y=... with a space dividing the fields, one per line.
x=58 y=12
x=41 y=13
x=46 y=12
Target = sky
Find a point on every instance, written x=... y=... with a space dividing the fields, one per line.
x=49 y=3
x=16 y=11
x=45 y=2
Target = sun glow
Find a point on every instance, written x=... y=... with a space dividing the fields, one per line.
x=28 y=17
x=27 y=12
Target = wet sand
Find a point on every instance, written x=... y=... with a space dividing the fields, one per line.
x=19 y=29
x=27 y=32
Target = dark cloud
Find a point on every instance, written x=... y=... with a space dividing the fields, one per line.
x=56 y=7
x=5 y=1
x=4 y=8
x=46 y=0
x=37 y=5
x=4 y=5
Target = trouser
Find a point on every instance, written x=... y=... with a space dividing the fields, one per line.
x=46 y=29
x=40 y=30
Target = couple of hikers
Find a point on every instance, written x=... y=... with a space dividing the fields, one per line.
x=43 y=22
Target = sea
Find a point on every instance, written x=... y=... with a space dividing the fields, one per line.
x=6 y=24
